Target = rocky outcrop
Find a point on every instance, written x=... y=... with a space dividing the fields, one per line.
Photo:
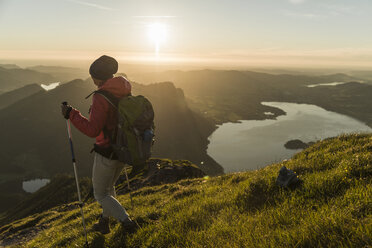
x=297 y=144
x=161 y=171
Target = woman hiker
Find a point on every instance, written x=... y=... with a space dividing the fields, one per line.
x=101 y=125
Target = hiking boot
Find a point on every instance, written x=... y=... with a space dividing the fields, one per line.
x=129 y=225
x=102 y=225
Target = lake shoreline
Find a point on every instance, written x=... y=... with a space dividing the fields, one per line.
x=339 y=124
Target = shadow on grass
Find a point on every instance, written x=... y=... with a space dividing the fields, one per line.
x=98 y=241
x=257 y=195
x=119 y=239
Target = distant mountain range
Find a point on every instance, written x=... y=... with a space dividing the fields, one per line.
x=13 y=77
x=366 y=75
x=10 y=66
x=62 y=74
x=237 y=95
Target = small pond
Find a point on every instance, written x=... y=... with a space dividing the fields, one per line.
x=32 y=186
x=50 y=86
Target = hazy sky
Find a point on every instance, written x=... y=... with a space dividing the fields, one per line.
x=308 y=32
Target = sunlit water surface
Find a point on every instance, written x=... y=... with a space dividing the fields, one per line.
x=51 y=86
x=32 y=186
x=329 y=84
x=253 y=144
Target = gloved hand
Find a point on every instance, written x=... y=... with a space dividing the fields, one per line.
x=66 y=109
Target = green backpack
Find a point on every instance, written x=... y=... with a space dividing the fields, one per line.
x=134 y=136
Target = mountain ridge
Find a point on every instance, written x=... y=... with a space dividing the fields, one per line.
x=39 y=147
x=13 y=78
x=14 y=96
x=230 y=96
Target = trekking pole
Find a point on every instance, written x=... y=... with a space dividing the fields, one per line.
x=76 y=178
x=130 y=194
x=130 y=191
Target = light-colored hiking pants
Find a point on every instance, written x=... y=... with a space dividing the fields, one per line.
x=105 y=174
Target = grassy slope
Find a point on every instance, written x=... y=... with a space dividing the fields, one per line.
x=332 y=208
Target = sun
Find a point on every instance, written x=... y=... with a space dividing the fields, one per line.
x=157 y=33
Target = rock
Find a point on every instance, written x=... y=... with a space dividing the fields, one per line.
x=296 y=144
x=162 y=171
x=171 y=172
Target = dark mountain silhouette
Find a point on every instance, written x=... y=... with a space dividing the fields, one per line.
x=14 y=78
x=13 y=96
x=34 y=143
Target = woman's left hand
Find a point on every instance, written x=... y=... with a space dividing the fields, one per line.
x=66 y=109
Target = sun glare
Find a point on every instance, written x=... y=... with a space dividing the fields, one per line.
x=157 y=33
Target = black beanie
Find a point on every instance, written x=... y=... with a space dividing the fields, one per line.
x=103 y=68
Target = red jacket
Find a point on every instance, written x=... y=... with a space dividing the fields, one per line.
x=102 y=113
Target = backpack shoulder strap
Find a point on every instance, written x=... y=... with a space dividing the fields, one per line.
x=111 y=99
x=114 y=101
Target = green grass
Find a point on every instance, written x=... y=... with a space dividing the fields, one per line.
x=331 y=208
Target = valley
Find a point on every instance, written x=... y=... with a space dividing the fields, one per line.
x=188 y=105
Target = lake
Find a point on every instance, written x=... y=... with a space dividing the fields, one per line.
x=51 y=86
x=330 y=84
x=325 y=84
x=32 y=186
x=252 y=144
